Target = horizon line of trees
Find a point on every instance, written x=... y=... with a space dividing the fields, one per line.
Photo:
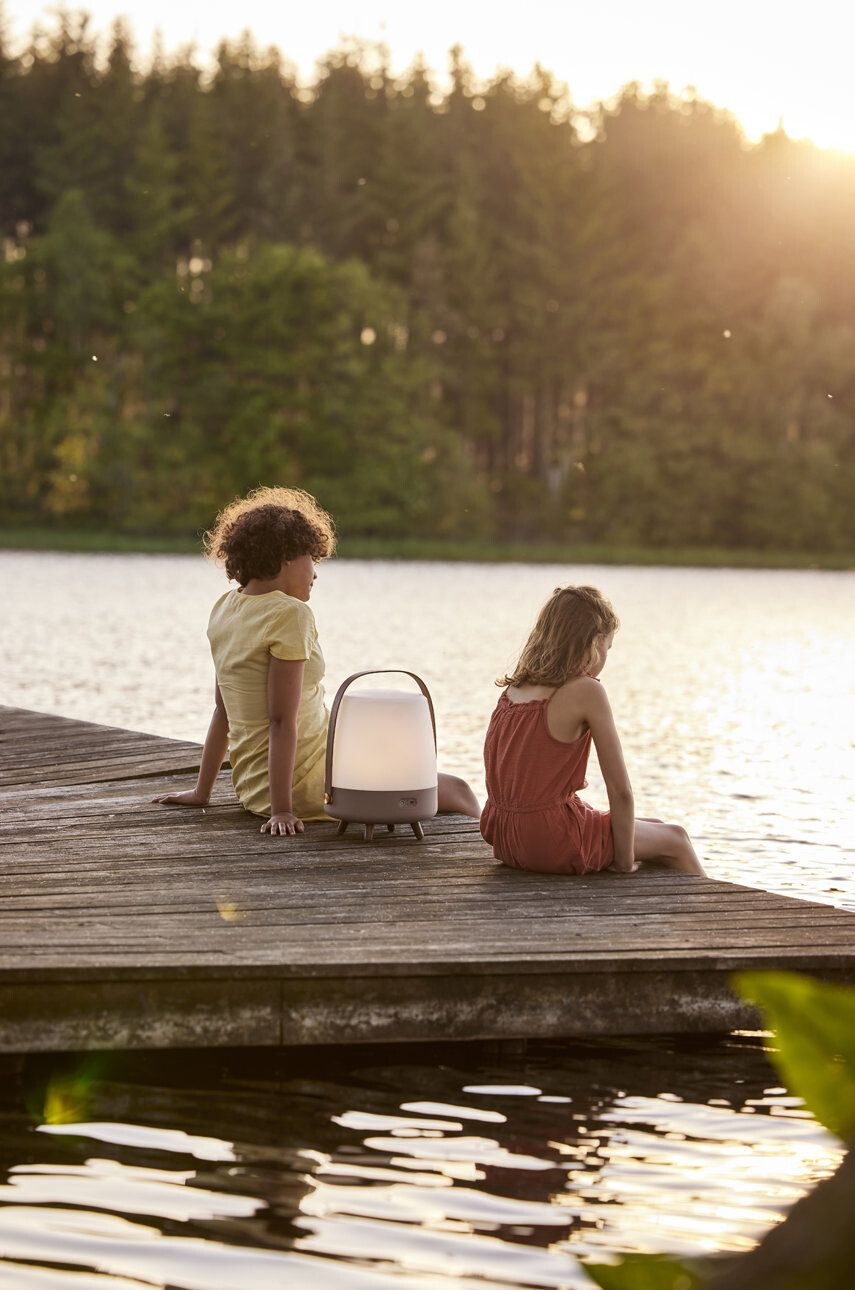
x=445 y=313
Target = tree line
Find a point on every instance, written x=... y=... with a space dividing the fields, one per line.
x=467 y=312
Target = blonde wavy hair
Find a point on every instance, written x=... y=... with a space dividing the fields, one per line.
x=563 y=641
x=254 y=535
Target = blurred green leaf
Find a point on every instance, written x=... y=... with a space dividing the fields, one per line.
x=814 y=1023
x=644 y=1272
x=66 y=1093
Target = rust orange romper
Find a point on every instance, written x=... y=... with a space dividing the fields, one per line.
x=533 y=818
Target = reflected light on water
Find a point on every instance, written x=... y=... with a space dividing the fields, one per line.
x=143 y=1252
x=732 y=1177
x=144 y=1136
x=461 y=1112
x=341 y=1181
x=105 y=1184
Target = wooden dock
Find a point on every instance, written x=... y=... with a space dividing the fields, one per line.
x=126 y=924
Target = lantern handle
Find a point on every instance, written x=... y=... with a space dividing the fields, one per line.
x=372 y=671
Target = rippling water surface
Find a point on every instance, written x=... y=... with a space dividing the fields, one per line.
x=464 y=1166
x=425 y=1169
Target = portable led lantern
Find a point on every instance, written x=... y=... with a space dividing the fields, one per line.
x=381 y=757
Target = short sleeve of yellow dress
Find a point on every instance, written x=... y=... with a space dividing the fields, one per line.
x=244 y=631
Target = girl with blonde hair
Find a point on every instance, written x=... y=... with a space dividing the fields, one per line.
x=537 y=747
x=269 y=709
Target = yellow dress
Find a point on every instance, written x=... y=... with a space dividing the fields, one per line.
x=244 y=631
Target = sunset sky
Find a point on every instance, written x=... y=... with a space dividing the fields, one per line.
x=762 y=59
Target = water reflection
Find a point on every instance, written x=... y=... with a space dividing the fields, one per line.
x=138 y=1135
x=465 y=1169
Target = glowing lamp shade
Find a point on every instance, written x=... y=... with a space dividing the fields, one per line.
x=381 y=758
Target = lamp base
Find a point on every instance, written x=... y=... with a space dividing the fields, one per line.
x=389 y=807
x=368 y=830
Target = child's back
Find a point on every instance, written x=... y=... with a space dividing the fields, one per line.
x=245 y=631
x=537 y=747
x=533 y=818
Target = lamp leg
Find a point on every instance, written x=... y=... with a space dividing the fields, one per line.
x=342 y=828
x=391 y=828
x=418 y=830
x=369 y=833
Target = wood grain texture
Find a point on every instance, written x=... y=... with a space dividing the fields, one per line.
x=125 y=923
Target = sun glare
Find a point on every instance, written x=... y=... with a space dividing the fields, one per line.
x=768 y=62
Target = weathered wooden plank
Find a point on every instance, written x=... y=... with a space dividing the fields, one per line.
x=55 y=820
x=621 y=931
x=32 y=768
x=411 y=934
x=37 y=748
x=185 y=1014
x=35 y=1017
x=125 y=902
x=118 y=768
x=121 y=962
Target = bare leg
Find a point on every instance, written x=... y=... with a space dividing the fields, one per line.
x=667 y=845
x=456 y=795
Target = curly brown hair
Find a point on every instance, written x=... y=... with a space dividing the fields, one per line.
x=563 y=641
x=254 y=535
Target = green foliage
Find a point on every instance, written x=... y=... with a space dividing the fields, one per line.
x=76 y=265
x=644 y=1272
x=276 y=358
x=641 y=338
x=814 y=1024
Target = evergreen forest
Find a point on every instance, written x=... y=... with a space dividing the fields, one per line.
x=469 y=312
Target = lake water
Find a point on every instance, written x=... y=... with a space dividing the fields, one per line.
x=456 y=1166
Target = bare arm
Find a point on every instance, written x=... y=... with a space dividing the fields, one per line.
x=213 y=755
x=284 y=686
x=598 y=714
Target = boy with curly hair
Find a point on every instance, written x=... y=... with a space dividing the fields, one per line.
x=269 y=711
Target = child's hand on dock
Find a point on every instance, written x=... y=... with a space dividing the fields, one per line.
x=190 y=798
x=614 y=867
x=285 y=822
